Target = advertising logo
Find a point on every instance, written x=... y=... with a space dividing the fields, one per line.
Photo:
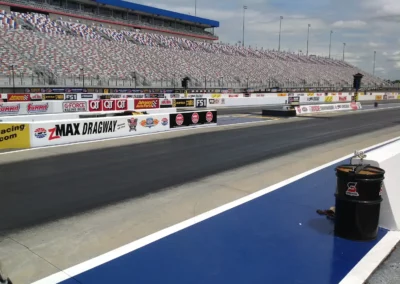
x=209 y=116
x=37 y=107
x=121 y=104
x=315 y=108
x=132 y=123
x=281 y=95
x=149 y=122
x=10 y=132
x=108 y=105
x=195 y=117
x=9 y=109
x=342 y=99
x=88 y=128
x=164 y=121
x=354 y=106
x=166 y=102
x=50 y=97
x=95 y=105
x=304 y=109
x=313 y=99
x=18 y=97
x=74 y=107
x=40 y=133
x=310 y=94
x=352 y=189
x=146 y=103
x=179 y=119
x=87 y=96
x=36 y=97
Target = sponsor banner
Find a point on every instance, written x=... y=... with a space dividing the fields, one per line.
x=201 y=103
x=233 y=95
x=57 y=132
x=18 y=97
x=378 y=97
x=313 y=99
x=216 y=96
x=333 y=94
x=36 y=97
x=37 y=108
x=282 y=95
x=294 y=100
x=320 y=94
x=327 y=108
x=71 y=97
x=398 y=97
x=183 y=103
x=342 y=99
x=310 y=94
x=192 y=118
x=108 y=105
x=165 y=103
x=79 y=106
x=328 y=99
x=146 y=103
x=86 y=96
x=10 y=108
x=216 y=101
x=50 y=97
x=14 y=136
x=391 y=97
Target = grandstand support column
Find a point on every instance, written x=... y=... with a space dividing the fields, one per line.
x=13 y=77
x=83 y=78
x=205 y=82
x=244 y=17
x=330 y=44
x=280 y=30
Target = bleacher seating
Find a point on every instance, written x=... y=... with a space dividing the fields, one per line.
x=64 y=47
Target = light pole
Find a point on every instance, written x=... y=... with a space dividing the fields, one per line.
x=330 y=44
x=244 y=15
x=83 y=78
x=308 y=36
x=344 y=47
x=373 y=70
x=195 y=7
x=280 y=30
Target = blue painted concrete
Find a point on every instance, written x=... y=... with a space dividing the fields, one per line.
x=276 y=238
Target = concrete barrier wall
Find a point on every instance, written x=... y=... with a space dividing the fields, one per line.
x=387 y=158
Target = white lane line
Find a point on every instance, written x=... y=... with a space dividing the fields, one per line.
x=94 y=262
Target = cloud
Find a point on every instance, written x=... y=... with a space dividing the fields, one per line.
x=357 y=24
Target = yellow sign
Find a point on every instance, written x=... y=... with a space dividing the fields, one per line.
x=398 y=97
x=282 y=95
x=333 y=94
x=310 y=94
x=329 y=99
x=378 y=97
x=14 y=136
x=105 y=91
x=215 y=96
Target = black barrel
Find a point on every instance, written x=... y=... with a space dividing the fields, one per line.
x=358 y=201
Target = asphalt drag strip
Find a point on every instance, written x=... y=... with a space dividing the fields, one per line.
x=46 y=189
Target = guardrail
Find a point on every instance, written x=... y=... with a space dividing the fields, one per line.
x=18 y=134
x=387 y=158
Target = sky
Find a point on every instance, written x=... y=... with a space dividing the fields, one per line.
x=364 y=25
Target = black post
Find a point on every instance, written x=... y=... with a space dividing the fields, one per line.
x=83 y=78
x=357 y=84
x=13 y=77
x=205 y=82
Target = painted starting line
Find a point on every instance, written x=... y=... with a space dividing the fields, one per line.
x=271 y=236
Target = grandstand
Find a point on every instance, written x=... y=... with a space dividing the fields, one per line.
x=59 y=42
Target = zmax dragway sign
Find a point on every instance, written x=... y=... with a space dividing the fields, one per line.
x=87 y=128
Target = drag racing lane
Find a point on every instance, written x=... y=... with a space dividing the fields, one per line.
x=36 y=191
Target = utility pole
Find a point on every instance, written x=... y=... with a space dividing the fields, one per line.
x=308 y=36
x=330 y=44
x=373 y=70
x=280 y=30
x=244 y=15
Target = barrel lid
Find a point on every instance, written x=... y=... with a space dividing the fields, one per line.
x=364 y=170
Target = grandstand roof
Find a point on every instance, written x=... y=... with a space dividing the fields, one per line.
x=160 y=12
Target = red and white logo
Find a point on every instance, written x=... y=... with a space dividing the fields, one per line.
x=108 y=105
x=36 y=97
x=9 y=109
x=165 y=102
x=195 y=117
x=342 y=99
x=79 y=106
x=352 y=189
x=179 y=119
x=209 y=116
x=95 y=105
x=315 y=108
x=37 y=107
x=354 y=106
x=121 y=104
x=298 y=109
